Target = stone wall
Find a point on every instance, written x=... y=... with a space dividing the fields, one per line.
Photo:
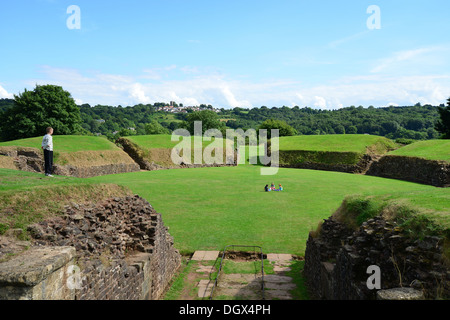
x=121 y=250
x=350 y=162
x=432 y=172
x=160 y=159
x=32 y=160
x=337 y=259
x=39 y=274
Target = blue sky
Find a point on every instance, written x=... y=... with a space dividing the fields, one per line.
x=230 y=53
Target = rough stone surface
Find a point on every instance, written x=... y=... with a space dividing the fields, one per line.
x=141 y=159
x=400 y=294
x=326 y=161
x=123 y=251
x=432 y=172
x=37 y=274
x=336 y=261
x=32 y=160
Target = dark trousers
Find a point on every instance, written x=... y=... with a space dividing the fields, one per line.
x=48 y=157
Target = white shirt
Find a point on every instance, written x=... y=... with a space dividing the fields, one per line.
x=47 y=142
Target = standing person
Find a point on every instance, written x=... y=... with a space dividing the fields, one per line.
x=47 y=146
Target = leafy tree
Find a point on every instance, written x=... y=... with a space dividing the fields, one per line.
x=282 y=126
x=208 y=118
x=33 y=111
x=443 y=125
x=352 y=130
x=154 y=127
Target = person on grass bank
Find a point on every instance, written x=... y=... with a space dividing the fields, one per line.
x=47 y=146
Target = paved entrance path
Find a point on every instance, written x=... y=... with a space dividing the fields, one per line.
x=247 y=286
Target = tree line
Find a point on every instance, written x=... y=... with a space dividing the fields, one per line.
x=30 y=112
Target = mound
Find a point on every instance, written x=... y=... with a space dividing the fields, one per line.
x=28 y=198
x=79 y=156
x=430 y=150
x=426 y=162
x=154 y=152
x=344 y=153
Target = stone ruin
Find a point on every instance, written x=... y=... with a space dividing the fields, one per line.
x=120 y=250
x=337 y=259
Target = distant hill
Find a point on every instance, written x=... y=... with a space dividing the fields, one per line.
x=410 y=122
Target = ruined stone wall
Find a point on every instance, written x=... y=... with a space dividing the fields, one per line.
x=122 y=250
x=350 y=162
x=32 y=160
x=432 y=172
x=160 y=159
x=336 y=262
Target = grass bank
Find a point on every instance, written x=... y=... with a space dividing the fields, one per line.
x=27 y=198
x=79 y=151
x=430 y=149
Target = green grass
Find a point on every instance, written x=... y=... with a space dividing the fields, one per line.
x=210 y=208
x=27 y=198
x=430 y=149
x=66 y=143
x=337 y=143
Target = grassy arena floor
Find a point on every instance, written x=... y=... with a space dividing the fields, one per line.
x=209 y=208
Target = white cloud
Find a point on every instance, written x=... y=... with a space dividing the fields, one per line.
x=137 y=92
x=410 y=58
x=356 y=36
x=219 y=90
x=320 y=102
x=5 y=94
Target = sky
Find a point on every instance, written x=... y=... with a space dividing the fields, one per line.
x=321 y=54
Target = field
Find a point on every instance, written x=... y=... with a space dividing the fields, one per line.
x=430 y=149
x=210 y=208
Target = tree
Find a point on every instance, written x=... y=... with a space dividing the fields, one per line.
x=282 y=126
x=208 y=118
x=34 y=111
x=443 y=124
x=154 y=127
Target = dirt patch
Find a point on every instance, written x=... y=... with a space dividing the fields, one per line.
x=7 y=162
x=244 y=256
x=85 y=159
